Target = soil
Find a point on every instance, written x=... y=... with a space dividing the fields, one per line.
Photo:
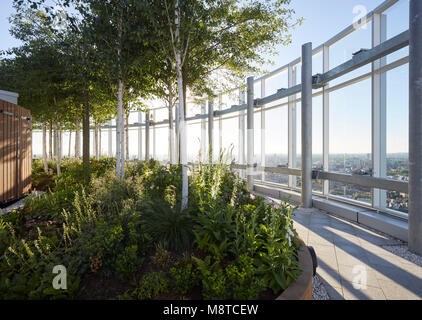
x=43 y=184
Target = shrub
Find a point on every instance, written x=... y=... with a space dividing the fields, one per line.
x=151 y=285
x=166 y=225
x=184 y=277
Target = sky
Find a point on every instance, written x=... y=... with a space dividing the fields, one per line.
x=350 y=113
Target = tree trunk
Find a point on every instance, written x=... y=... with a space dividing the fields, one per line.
x=183 y=151
x=50 y=142
x=59 y=149
x=77 y=137
x=120 y=133
x=85 y=135
x=70 y=141
x=171 y=130
x=44 y=146
x=55 y=149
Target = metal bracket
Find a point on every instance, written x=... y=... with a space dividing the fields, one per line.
x=359 y=52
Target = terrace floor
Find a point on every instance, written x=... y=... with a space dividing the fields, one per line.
x=347 y=252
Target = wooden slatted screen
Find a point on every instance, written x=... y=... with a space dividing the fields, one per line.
x=15 y=151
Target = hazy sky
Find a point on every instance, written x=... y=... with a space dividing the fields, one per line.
x=350 y=113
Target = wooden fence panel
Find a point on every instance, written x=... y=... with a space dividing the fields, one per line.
x=15 y=151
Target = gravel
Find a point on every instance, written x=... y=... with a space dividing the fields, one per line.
x=318 y=290
x=402 y=250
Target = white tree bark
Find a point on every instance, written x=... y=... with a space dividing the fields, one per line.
x=77 y=140
x=59 y=147
x=50 y=142
x=44 y=146
x=171 y=131
x=182 y=132
x=119 y=133
x=70 y=142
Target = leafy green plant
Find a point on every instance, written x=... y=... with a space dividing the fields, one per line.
x=151 y=285
x=162 y=257
x=184 y=277
x=166 y=225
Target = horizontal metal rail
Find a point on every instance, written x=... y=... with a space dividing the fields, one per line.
x=398 y=42
x=365 y=181
x=362 y=180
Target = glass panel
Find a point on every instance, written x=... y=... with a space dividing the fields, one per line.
x=350 y=134
x=276 y=142
x=230 y=136
x=317 y=139
x=351 y=192
x=398 y=123
x=193 y=134
x=398 y=201
x=343 y=50
x=162 y=146
x=397 y=18
x=275 y=83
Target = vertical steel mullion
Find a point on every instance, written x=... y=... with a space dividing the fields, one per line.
x=210 y=128
x=220 y=125
x=139 y=136
x=250 y=133
x=262 y=131
x=326 y=119
x=203 y=133
x=154 y=136
x=147 y=120
x=379 y=106
x=242 y=118
x=110 y=138
x=292 y=72
x=307 y=125
x=241 y=150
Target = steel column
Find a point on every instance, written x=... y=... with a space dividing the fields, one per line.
x=250 y=134
x=379 y=111
x=292 y=72
x=415 y=127
x=307 y=125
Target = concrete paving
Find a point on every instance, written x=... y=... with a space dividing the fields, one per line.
x=352 y=263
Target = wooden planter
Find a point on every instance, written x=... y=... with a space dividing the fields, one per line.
x=301 y=289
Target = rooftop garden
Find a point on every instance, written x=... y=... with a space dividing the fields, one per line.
x=126 y=238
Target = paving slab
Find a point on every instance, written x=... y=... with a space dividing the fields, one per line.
x=345 y=248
